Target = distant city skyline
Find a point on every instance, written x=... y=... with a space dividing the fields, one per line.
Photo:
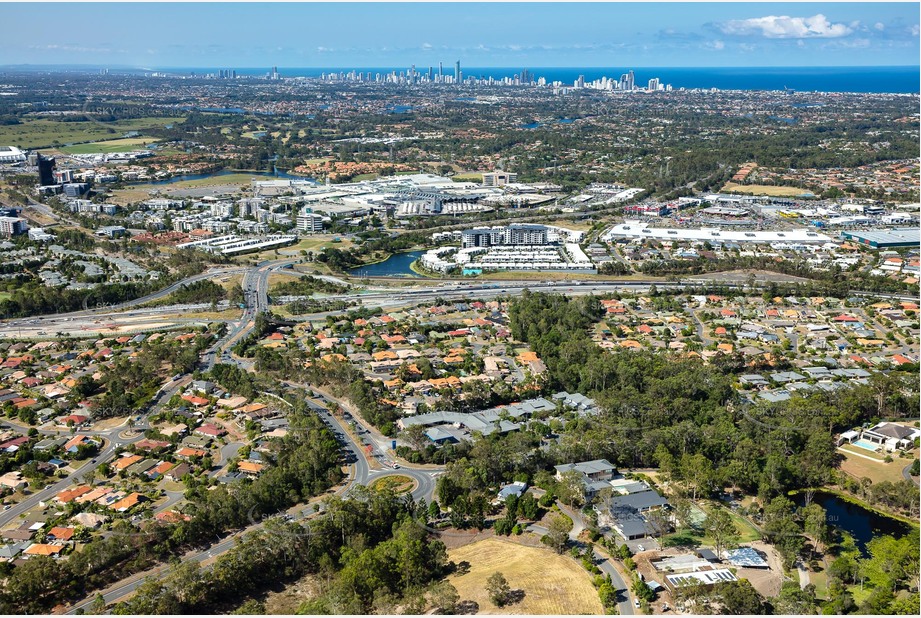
x=360 y=35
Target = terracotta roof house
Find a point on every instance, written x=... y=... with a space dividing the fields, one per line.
x=59 y=533
x=69 y=495
x=128 y=502
x=250 y=467
x=43 y=549
x=210 y=430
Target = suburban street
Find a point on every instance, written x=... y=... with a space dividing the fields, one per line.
x=369 y=451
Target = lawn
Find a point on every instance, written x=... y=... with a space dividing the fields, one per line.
x=746 y=532
x=877 y=471
x=231 y=280
x=318 y=160
x=138 y=192
x=47 y=133
x=396 y=483
x=552 y=584
x=116 y=145
x=468 y=177
x=778 y=191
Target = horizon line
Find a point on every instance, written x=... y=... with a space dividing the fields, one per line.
x=354 y=66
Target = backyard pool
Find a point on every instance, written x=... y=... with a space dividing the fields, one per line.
x=866 y=444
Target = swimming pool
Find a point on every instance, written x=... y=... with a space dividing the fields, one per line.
x=866 y=444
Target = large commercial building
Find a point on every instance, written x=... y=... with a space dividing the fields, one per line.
x=641 y=230
x=11 y=154
x=885 y=239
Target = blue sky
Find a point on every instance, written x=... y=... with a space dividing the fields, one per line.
x=480 y=35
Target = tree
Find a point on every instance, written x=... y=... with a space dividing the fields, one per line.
x=642 y=590
x=815 y=524
x=558 y=533
x=793 y=600
x=528 y=507
x=697 y=471
x=782 y=530
x=251 y=607
x=720 y=526
x=98 y=607
x=571 y=490
x=498 y=588
x=444 y=597
x=739 y=598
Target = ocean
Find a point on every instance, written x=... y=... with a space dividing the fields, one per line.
x=890 y=79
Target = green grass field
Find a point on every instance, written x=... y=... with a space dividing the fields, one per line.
x=46 y=133
x=468 y=177
x=115 y=145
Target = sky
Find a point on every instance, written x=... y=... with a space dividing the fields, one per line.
x=529 y=34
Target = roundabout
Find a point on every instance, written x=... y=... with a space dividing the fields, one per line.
x=399 y=484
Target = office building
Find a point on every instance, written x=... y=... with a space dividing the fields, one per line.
x=310 y=222
x=498 y=178
x=12 y=226
x=75 y=189
x=40 y=235
x=63 y=176
x=45 y=170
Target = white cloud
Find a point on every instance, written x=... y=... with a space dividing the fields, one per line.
x=786 y=27
x=879 y=26
x=915 y=30
x=427 y=46
x=716 y=45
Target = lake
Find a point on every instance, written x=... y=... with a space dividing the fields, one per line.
x=860 y=523
x=397 y=265
x=276 y=174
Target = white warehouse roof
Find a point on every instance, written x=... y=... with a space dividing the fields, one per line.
x=639 y=229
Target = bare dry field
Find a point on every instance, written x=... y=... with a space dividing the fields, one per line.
x=552 y=584
x=774 y=190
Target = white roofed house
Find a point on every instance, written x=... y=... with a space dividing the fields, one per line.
x=891 y=436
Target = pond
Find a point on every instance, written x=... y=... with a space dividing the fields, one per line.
x=860 y=523
x=397 y=265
